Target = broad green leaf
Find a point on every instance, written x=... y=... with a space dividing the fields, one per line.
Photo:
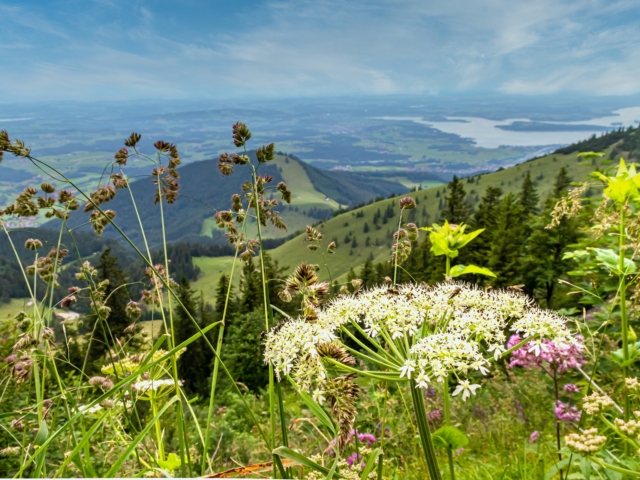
x=42 y=435
x=458 y=270
x=302 y=460
x=171 y=463
x=468 y=237
x=611 y=261
x=371 y=463
x=449 y=437
x=634 y=353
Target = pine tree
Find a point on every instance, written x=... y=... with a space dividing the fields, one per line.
x=528 y=196
x=507 y=243
x=221 y=295
x=456 y=210
x=251 y=289
x=243 y=354
x=367 y=274
x=544 y=264
x=486 y=216
x=562 y=182
x=194 y=363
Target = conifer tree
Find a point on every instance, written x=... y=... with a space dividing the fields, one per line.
x=507 y=243
x=562 y=182
x=486 y=216
x=528 y=196
x=221 y=294
x=251 y=291
x=546 y=247
x=194 y=363
x=243 y=354
x=367 y=274
x=456 y=209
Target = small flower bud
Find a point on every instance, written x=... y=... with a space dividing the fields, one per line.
x=407 y=203
x=33 y=244
x=47 y=188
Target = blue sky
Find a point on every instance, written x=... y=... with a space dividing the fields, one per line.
x=162 y=49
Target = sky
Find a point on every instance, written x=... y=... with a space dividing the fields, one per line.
x=188 y=49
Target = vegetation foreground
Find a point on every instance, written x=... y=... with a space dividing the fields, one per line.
x=524 y=370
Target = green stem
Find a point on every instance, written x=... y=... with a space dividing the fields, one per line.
x=174 y=362
x=395 y=257
x=216 y=363
x=623 y=315
x=265 y=294
x=425 y=434
x=447 y=422
x=154 y=410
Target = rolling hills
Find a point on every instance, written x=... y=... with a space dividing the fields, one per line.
x=366 y=232
x=317 y=194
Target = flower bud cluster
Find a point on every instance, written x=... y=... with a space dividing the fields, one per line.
x=597 y=403
x=587 y=443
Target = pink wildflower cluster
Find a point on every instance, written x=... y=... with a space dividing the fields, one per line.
x=561 y=357
x=567 y=413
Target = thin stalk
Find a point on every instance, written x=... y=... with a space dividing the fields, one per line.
x=395 y=257
x=174 y=362
x=558 y=436
x=216 y=363
x=158 y=429
x=425 y=434
x=265 y=294
x=447 y=422
x=623 y=315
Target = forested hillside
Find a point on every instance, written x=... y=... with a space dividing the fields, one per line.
x=204 y=191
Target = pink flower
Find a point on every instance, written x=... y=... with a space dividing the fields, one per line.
x=571 y=388
x=567 y=413
x=353 y=458
x=533 y=438
x=561 y=357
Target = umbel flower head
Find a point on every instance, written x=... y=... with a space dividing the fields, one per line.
x=422 y=333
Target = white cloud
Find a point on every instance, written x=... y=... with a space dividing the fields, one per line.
x=306 y=47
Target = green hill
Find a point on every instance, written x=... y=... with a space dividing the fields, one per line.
x=203 y=190
x=373 y=225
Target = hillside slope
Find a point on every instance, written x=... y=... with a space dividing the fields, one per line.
x=373 y=239
x=204 y=190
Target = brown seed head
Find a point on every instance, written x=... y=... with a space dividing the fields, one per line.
x=407 y=203
x=241 y=134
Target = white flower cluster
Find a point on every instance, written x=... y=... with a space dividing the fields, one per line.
x=145 y=385
x=440 y=354
x=446 y=324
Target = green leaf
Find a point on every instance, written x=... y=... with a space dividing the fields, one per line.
x=302 y=460
x=171 y=463
x=42 y=435
x=449 y=437
x=371 y=463
x=317 y=410
x=458 y=270
x=634 y=352
x=610 y=260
